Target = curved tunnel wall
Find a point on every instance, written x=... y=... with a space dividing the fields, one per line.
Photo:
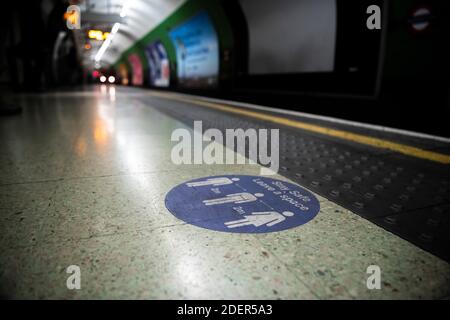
x=293 y=46
x=159 y=51
x=385 y=67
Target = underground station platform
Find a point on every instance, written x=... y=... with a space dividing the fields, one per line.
x=88 y=179
x=234 y=151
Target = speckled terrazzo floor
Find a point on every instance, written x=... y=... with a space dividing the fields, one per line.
x=83 y=177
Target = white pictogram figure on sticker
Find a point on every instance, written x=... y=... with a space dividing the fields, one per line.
x=236 y=198
x=212 y=182
x=257 y=219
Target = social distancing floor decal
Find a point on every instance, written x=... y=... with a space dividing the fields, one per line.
x=242 y=204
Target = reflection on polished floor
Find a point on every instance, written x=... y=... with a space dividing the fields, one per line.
x=83 y=177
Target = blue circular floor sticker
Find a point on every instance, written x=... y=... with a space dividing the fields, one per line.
x=242 y=204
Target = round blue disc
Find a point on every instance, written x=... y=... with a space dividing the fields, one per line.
x=242 y=204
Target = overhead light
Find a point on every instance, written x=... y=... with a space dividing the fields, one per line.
x=107 y=42
x=125 y=6
x=111 y=79
x=98 y=35
x=95 y=34
x=115 y=28
x=102 y=79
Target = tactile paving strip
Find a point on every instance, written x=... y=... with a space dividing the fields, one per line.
x=407 y=196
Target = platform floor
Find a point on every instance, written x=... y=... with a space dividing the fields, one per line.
x=83 y=177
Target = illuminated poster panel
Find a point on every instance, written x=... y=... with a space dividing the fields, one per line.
x=197 y=52
x=137 y=77
x=158 y=63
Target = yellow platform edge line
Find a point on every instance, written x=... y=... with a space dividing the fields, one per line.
x=345 y=135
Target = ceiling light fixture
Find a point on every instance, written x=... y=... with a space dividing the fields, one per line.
x=107 y=42
x=125 y=7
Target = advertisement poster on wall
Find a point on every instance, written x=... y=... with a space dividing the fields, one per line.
x=158 y=63
x=137 y=78
x=197 y=52
x=123 y=72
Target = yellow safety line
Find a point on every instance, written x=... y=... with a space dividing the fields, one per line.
x=358 y=138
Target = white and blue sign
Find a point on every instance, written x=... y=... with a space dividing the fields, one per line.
x=197 y=50
x=242 y=204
